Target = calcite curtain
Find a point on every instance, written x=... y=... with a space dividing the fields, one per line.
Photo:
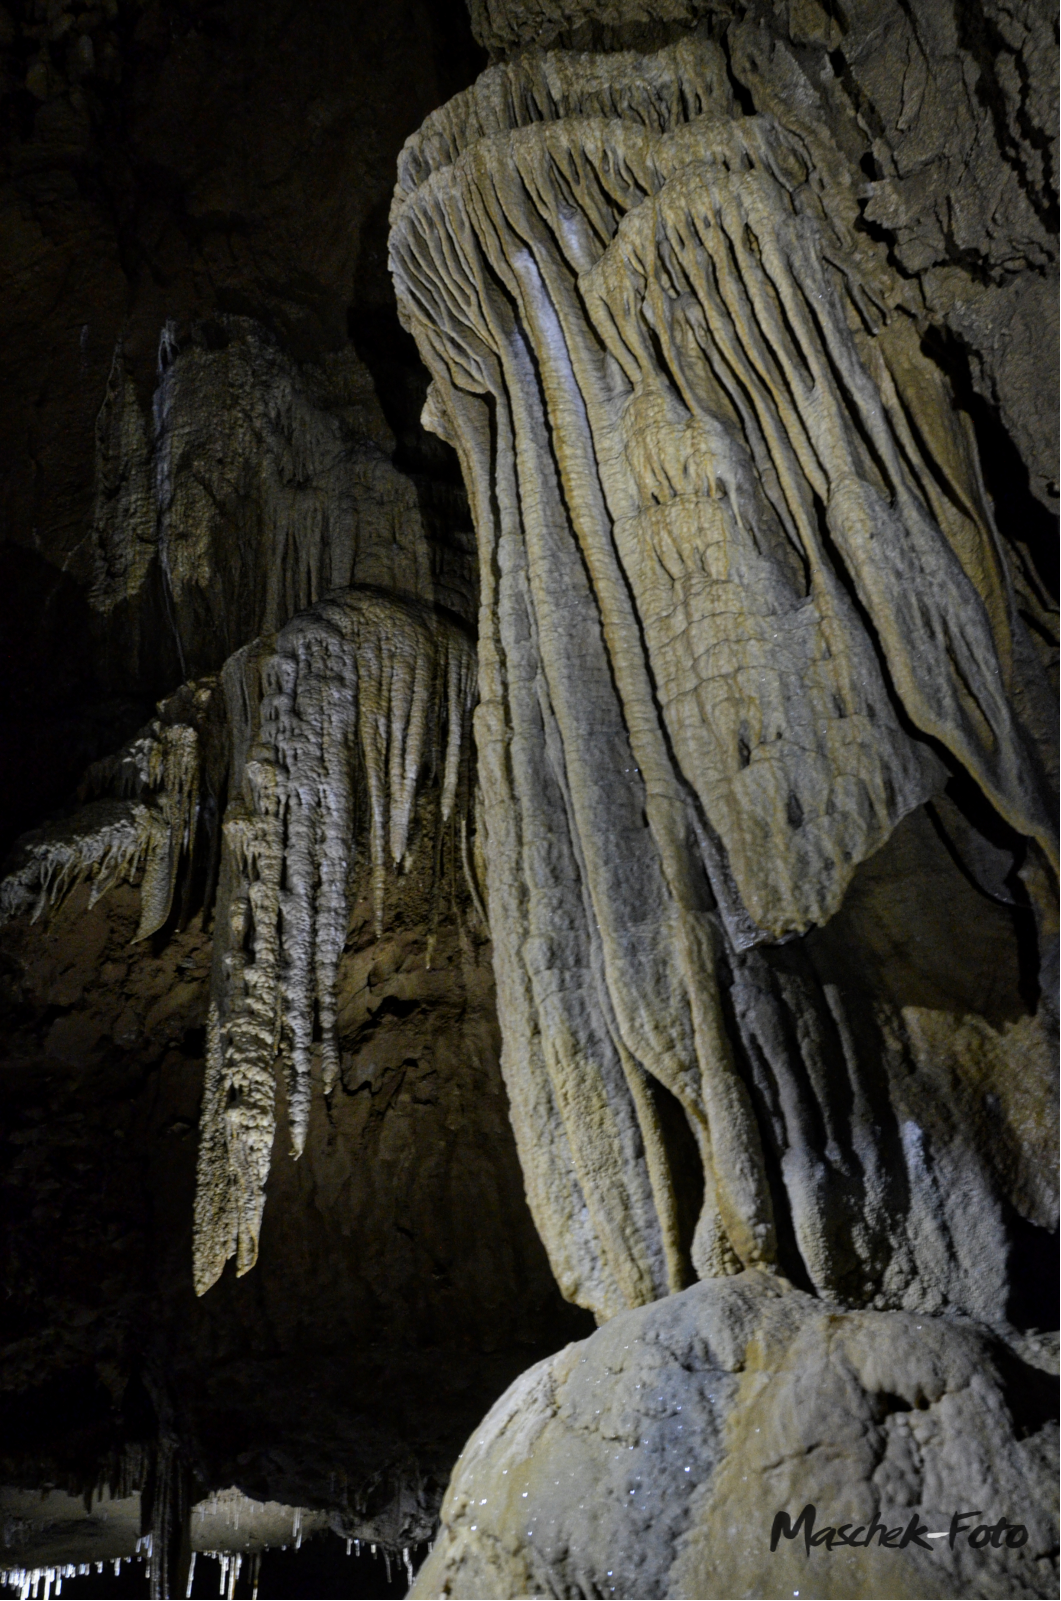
x=346 y=735
x=743 y=606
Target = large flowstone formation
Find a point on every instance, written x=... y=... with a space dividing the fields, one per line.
x=364 y=687
x=745 y=611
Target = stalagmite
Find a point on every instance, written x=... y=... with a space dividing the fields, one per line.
x=743 y=609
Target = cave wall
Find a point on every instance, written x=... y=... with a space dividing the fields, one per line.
x=163 y=166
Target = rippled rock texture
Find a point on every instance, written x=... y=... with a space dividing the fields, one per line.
x=696 y=812
x=749 y=639
x=767 y=666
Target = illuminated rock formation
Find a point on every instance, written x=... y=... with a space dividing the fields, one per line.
x=321 y=736
x=140 y=833
x=257 y=486
x=734 y=313
x=744 y=609
x=359 y=701
x=653 y=1458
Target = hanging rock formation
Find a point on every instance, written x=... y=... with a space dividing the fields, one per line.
x=321 y=735
x=259 y=486
x=734 y=313
x=766 y=743
x=360 y=700
x=745 y=611
x=141 y=832
x=318 y=975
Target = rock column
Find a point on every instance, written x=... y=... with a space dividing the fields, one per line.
x=743 y=610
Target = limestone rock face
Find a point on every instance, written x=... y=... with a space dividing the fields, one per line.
x=256 y=486
x=745 y=612
x=651 y=1459
x=506 y=25
x=697 y=813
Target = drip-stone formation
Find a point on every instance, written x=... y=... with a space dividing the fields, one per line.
x=361 y=698
x=745 y=613
x=321 y=738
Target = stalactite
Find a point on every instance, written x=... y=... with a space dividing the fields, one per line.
x=123 y=525
x=257 y=486
x=319 y=735
x=143 y=830
x=362 y=689
x=741 y=593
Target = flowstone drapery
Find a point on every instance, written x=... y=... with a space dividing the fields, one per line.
x=743 y=608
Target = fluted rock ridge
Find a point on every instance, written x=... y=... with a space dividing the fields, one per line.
x=745 y=610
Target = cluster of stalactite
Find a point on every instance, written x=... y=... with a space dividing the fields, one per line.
x=743 y=608
x=262 y=780
x=141 y=826
x=744 y=611
x=362 y=696
x=256 y=487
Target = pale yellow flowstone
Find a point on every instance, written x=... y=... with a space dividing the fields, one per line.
x=651 y=1459
x=741 y=589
